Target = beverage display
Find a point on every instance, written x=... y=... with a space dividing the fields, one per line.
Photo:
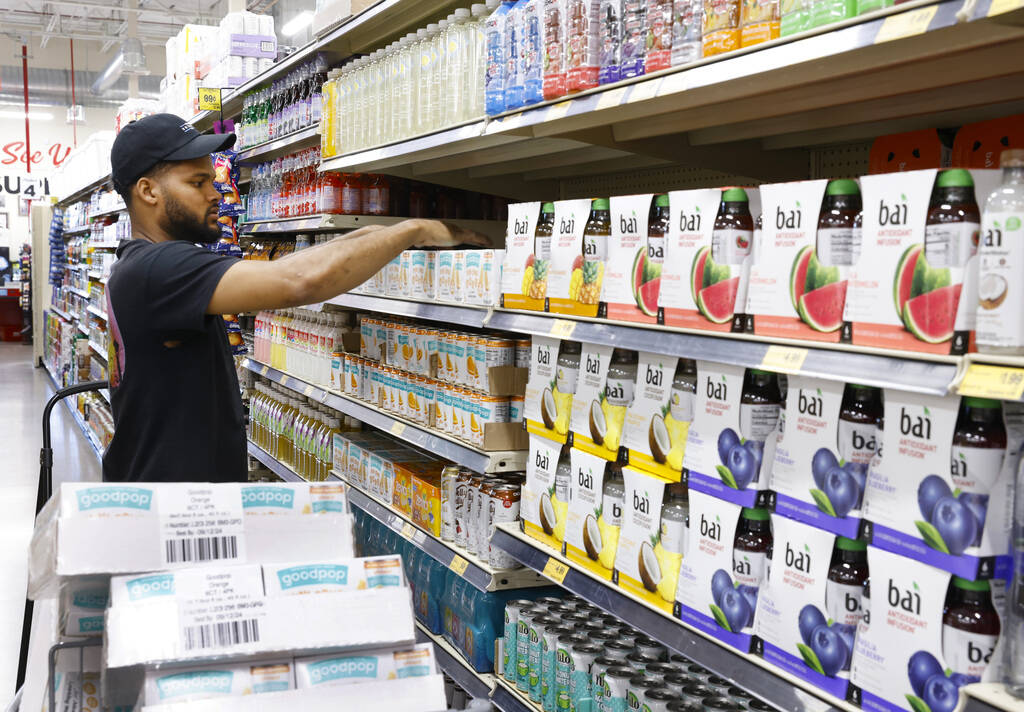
x=289 y=104
x=1000 y=318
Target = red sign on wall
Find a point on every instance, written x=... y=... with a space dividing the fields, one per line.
x=14 y=153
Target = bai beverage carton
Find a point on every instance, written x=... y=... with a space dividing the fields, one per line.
x=733 y=432
x=632 y=273
x=604 y=391
x=924 y=635
x=524 y=275
x=915 y=285
x=725 y=564
x=554 y=371
x=658 y=420
x=569 y=274
x=708 y=249
x=545 y=505
x=945 y=503
x=591 y=533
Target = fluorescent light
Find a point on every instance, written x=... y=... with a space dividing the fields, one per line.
x=297 y=23
x=32 y=115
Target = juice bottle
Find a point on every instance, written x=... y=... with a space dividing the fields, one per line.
x=733 y=233
x=844 y=590
x=836 y=224
x=759 y=21
x=751 y=554
x=531 y=55
x=1000 y=317
x=976 y=458
x=658 y=223
x=586 y=287
x=553 y=26
x=953 y=222
x=634 y=42
x=687 y=16
x=760 y=405
x=609 y=41
x=970 y=629
x=658 y=32
x=860 y=431
x=721 y=29
x=582 y=38
x=542 y=251
x=684 y=391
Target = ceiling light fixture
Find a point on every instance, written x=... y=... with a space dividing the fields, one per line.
x=297 y=23
x=32 y=115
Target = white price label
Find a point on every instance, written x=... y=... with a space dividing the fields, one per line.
x=201 y=523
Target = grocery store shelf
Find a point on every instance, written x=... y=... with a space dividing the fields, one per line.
x=448 y=659
x=105 y=213
x=295 y=141
x=82 y=328
x=400 y=428
x=96 y=312
x=78 y=230
x=97 y=275
x=104 y=245
x=276 y=466
x=473 y=569
x=69 y=265
x=68 y=402
x=507 y=697
x=84 y=191
x=100 y=353
x=465 y=315
x=79 y=292
x=61 y=313
x=329 y=223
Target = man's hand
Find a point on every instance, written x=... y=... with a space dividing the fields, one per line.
x=438 y=233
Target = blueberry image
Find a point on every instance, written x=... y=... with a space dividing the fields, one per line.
x=931 y=490
x=828 y=645
x=742 y=465
x=809 y=619
x=847 y=633
x=841 y=490
x=821 y=463
x=978 y=504
x=920 y=668
x=959 y=679
x=727 y=440
x=749 y=593
x=721 y=582
x=859 y=470
x=940 y=693
x=955 y=524
x=736 y=609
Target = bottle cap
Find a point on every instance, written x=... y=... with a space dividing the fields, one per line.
x=1013 y=158
x=965 y=585
x=547 y=208
x=972 y=402
x=462 y=13
x=862 y=387
x=599 y=204
x=843 y=186
x=734 y=195
x=761 y=372
x=756 y=514
x=954 y=178
x=661 y=201
x=844 y=544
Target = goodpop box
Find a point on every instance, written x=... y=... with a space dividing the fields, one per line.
x=215 y=681
x=659 y=418
x=82 y=603
x=593 y=520
x=520 y=277
x=333 y=576
x=366 y=666
x=604 y=390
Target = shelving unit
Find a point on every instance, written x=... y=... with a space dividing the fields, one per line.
x=61 y=313
x=295 y=141
x=330 y=222
x=87 y=433
x=276 y=466
x=98 y=352
x=96 y=312
x=80 y=292
x=449 y=660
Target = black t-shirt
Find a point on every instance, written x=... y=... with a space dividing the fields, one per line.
x=173 y=390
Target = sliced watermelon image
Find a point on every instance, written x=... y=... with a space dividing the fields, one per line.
x=647 y=297
x=646 y=283
x=798 y=275
x=718 y=301
x=903 y=281
x=822 y=309
x=932 y=316
x=700 y=261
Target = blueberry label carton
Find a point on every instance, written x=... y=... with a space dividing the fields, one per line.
x=539 y=500
x=807 y=623
x=642 y=565
x=717 y=590
x=591 y=534
x=545 y=407
x=598 y=408
x=632 y=274
x=729 y=441
x=918 y=508
x=658 y=421
x=519 y=267
x=817 y=476
x=913 y=651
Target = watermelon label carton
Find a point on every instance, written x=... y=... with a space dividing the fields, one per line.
x=591 y=533
x=540 y=509
x=730 y=439
x=632 y=276
x=658 y=421
x=707 y=258
x=573 y=287
x=927 y=499
x=549 y=390
x=519 y=272
x=911 y=288
x=600 y=402
x=717 y=590
x=797 y=288
x=643 y=566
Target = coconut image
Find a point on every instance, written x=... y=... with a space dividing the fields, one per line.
x=548 y=410
x=650 y=569
x=547 y=514
x=598 y=426
x=659 y=440
x=992 y=291
x=591 y=537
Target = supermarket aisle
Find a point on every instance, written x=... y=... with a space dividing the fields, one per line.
x=24 y=391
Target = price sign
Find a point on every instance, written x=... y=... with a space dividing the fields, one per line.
x=555 y=570
x=209 y=99
x=562 y=328
x=992 y=382
x=906 y=24
x=785 y=359
x=284 y=380
x=308 y=390
x=458 y=565
x=397 y=428
x=408 y=530
x=998 y=7
x=263 y=370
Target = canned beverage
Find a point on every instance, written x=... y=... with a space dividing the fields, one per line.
x=475 y=361
x=603 y=636
x=564 y=667
x=481 y=510
x=508 y=645
x=448 y=476
x=618 y=649
x=660 y=670
x=523 y=353
x=475 y=481
x=651 y=647
x=681 y=660
x=719 y=684
x=616 y=687
x=580 y=680
x=404 y=353
x=639 y=685
x=516 y=409
x=739 y=695
x=462 y=506
x=720 y=704
x=489 y=409
x=457 y=350
x=756 y=705
x=526 y=616
x=505 y=502
x=552 y=601
x=391 y=342
x=537 y=627
x=684 y=706
x=381 y=340
x=639 y=660
x=697 y=691
x=657 y=699
x=628 y=635
x=597 y=670
x=366 y=337
x=676 y=681
x=549 y=648
x=698 y=671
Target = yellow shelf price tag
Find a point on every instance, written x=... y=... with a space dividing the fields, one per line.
x=284 y=380
x=408 y=530
x=998 y=7
x=906 y=24
x=397 y=428
x=458 y=565
x=263 y=370
x=992 y=382
x=308 y=390
x=209 y=99
x=562 y=328
x=555 y=570
x=786 y=359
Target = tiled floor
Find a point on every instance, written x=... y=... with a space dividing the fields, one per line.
x=24 y=391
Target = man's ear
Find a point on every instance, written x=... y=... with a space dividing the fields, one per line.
x=147 y=190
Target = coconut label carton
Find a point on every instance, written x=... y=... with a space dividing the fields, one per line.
x=717 y=589
x=600 y=403
x=794 y=294
x=633 y=269
x=807 y=623
x=591 y=533
x=819 y=472
x=549 y=389
x=519 y=276
x=540 y=499
x=915 y=285
x=930 y=500
x=906 y=655
x=566 y=271
x=659 y=418
x=729 y=440
x=642 y=565
x=706 y=253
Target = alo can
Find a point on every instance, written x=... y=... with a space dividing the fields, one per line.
x=505 y=500
x=615 y=688
x=660 y=670
x=537 y=627
x=508 y=645
x=639 y=660
x=618 y=649
x=526 y=616
x=549 y=649
x=448 y=476
x=580 y=680
x=597 y=670
x=651 y=647
x=472 y=489
x=638 y=687
x=697 y=692
x=720 y=704
x=564 y=667
x=657 y=699
x=719 y=684
x=684 y=706
x=461 y=509
x=676 y=681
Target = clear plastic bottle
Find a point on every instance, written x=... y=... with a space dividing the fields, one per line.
x=1000 y=325
x=419 y=89
x=477 y=61
x=514 y=89
x=494 y=79
x=458 y=67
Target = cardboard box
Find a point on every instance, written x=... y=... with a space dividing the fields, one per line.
x=426 y=498
x=631 y=264
x=599 y=404
x=518 y=276
x=346 y=669
x=658 y=420
x=549 y=391
x=643 y=566
x=318 y=577
x=591 y=532
x=83 y=601
x=543 y=507
x=183 y=685
x=566 y=280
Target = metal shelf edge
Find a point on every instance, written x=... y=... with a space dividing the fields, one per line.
x=94 y=445
x=276 y=466
x=462 y=314
x=473 y=682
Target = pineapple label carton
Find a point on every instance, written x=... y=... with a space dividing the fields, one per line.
x=642 y=565
x=719 y=582
x=733 y=433
x=821 y=460
x=659 y=418
x=604 y=391
x=915 y=285
x=797 y=284
x=519 y=278
x=634 y=262
x=550 y=388
x=540 y=501
x=591 y=533
x=707 y=258
x=566 y=273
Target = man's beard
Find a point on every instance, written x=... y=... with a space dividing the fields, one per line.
x=183 y=225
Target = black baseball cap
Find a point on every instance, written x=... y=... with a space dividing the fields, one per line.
x=153 y=139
